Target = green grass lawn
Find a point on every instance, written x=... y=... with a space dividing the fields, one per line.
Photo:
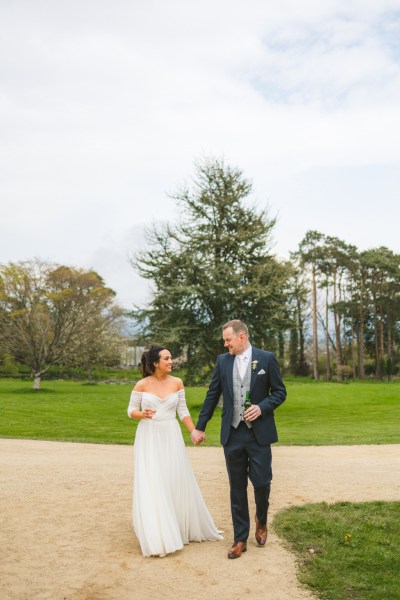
x=363 y=566
x=331 y=414
x=355 y=548
x=313 y=414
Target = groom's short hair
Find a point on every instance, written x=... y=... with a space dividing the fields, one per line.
x=237 y=327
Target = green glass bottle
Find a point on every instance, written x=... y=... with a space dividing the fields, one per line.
x=247 y=404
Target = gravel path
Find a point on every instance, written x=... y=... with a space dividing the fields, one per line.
x=65 y=525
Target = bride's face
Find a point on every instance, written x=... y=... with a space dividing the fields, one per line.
x=164 y=365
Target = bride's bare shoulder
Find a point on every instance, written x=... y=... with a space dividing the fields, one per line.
x=140 y=386
x=178 y=382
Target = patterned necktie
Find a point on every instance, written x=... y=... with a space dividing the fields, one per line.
x=242 y=365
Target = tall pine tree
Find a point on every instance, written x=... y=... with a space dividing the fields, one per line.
x=215 y=265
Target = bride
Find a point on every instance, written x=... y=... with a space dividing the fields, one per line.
x=168 y=507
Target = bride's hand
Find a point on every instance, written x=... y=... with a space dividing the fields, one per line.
x=148 y=413
x=197 y=437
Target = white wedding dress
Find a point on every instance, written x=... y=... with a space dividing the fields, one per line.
x=168 y=507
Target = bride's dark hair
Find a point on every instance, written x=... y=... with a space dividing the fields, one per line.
x=149 y=357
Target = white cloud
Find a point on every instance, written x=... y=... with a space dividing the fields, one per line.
x=104 y=107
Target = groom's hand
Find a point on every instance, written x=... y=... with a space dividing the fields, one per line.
x=252 y=413
x=197 y=436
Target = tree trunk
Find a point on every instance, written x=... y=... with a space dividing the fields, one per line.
x=376 y=335
x=293 y=350
x=315 y=328
x=389 y=344
x=337 y=329
x=381 y=338
x=281 y=350
x=389 y=336
x=361 y=340
x=353 y=353
x=328 y=355
x=302 y=367
x=36 y=381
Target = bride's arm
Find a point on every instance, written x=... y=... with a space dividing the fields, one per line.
x=183 y=411
x=188 y=423
x=134 y=411
x=186 y=419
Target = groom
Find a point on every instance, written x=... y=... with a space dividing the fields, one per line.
x=246 y=435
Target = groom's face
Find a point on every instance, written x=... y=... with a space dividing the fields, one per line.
x=235 y=343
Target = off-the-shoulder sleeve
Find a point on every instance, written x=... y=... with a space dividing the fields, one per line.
x=182 y=408
x=134 y=403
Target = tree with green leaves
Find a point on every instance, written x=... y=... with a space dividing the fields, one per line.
x=335 y=260
x=382 y=268
x=215 y=265
x=52 y=314
x=309 y=255
x=299 y=318
x=356 y=306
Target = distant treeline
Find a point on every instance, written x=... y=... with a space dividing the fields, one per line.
x=354 y=301
x=330 y=310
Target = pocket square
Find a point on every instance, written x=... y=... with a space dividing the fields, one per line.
x=261 y=372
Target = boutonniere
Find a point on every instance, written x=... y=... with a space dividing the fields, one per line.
x=254 y=364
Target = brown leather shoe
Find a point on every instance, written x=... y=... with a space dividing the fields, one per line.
x=261 y=533
x=237 y=549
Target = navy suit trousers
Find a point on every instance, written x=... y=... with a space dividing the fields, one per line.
x=247 y=459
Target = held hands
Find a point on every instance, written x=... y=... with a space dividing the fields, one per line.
x=252 y=413
x=197 y=436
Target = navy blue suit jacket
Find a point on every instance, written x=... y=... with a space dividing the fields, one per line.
x=266 y=389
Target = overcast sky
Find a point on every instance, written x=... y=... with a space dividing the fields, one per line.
x=105 y=105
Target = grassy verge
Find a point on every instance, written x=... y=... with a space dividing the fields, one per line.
x=326 y=414
x=345 y=551
x=313 y=414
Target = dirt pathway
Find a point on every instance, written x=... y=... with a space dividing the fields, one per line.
x=65 y=522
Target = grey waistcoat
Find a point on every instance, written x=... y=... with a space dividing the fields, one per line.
x=240 y=387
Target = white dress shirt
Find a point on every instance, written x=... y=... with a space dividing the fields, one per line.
x=242 y=361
